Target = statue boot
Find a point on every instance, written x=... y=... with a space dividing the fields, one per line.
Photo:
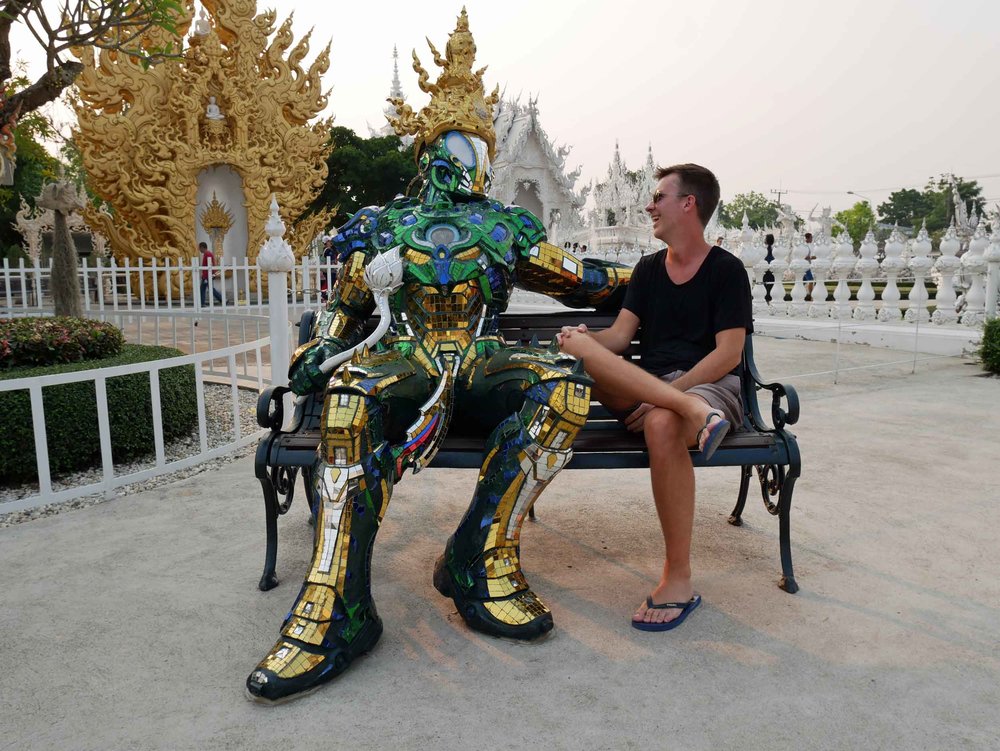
x=334 y=619
x=480 y=569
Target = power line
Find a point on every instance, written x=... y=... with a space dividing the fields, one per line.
x=879 y=190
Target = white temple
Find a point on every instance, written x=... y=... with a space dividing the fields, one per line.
x=530 y=171
x=395 y=90
x=619 y=228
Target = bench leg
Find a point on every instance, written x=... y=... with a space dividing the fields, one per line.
x=736 y=517
x=787 y=582
x=268 y=579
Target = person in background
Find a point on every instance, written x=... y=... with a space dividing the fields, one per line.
x=208 y=273
x=808 y=277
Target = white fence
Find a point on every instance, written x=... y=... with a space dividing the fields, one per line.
x=162 y=285
x=215 y=357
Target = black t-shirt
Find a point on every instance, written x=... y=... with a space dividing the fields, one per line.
x=678 y=322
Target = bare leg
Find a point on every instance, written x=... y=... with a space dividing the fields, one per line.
x=630 y=384
x=672 y=479
x=669 y=429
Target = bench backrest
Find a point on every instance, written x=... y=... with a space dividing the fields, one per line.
x=522 y=327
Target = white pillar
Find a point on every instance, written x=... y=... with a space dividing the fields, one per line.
x=867 y=266
x=992 y=258
x=946 y=266
x=798 y=266
x=778 y=268
x=892 y=264
x=822 y=250
x=277 y=260
x=920 y=264
x=752 y=254
x=974 y=264
x=843 y=263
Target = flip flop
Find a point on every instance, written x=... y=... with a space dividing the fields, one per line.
x=716 y=433
x=685 y=607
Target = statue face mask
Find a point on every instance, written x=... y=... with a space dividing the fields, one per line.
x=458 y=163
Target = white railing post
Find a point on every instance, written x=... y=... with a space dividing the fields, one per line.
x=822 y=249
x=920 y=264
x=866 y=266
x=276 y=259
x=892 y=264
x=843 y=264
x=7 y=284
x=798 y=266
x=946 y=266
x=752 y=254
x=992 y=258
x=778 y=268
x=974 y=264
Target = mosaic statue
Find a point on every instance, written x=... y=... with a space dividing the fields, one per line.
x=441 y=266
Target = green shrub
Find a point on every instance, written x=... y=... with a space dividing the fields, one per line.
x=989 y=349
x=47 y=341
x=71 y=414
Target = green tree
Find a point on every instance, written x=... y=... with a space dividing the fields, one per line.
x=121 y=25
x=934 y=204
x=760 y=211
x=907 y=208
x=363 y=172
x=35 y=167
x=858 y=220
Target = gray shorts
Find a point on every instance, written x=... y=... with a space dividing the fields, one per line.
x=723 y=395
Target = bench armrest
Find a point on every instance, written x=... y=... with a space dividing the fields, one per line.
x=271 y=409
x=780 y=416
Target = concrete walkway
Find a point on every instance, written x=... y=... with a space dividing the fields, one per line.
x=133 y=624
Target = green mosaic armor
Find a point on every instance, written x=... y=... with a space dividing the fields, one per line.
x=388 y=408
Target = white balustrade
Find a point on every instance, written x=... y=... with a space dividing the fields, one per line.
x=892 y=264
x=974 y=265
x=946 y=265
x=798 y=265
x=992 y=258
x=920 y=264
x=752 y=254
x=778 y=267
x=843 y=264
x=866 y=266
x=822 y=262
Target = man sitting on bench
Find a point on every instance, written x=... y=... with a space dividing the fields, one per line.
x=693 y=303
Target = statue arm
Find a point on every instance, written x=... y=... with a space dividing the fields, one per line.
x=556 y=272
x=341 y=325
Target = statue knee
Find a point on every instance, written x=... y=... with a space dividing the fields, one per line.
x=350 y=428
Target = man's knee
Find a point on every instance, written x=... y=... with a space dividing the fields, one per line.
x=663 y=428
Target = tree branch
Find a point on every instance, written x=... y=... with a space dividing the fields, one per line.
x=46 y=89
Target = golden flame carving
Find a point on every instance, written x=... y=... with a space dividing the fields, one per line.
x=216 y=216
x=144 y=134
x=458 y=100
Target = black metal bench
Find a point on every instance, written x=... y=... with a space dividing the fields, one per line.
x=603 y=443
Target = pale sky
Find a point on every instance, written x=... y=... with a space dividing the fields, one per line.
x=813 y=98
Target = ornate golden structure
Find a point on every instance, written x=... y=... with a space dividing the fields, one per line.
x=233 y=98
x=216 y=221
x=457 y=99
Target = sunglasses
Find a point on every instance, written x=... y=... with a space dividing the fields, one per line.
x=658 y=195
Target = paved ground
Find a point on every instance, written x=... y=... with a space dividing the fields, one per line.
x=132 y=625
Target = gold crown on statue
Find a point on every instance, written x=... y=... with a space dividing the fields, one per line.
x=458 y=100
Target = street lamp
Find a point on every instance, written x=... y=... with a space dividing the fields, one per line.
x=866 y=198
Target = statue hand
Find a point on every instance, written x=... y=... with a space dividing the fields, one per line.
x=304 y=374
